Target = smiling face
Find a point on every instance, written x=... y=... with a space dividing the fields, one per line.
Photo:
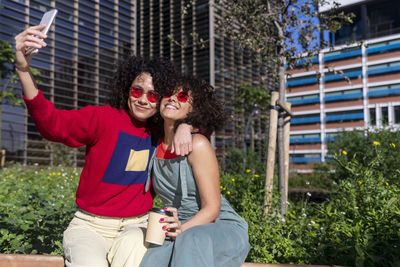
x=140 y=107
x=176 y=106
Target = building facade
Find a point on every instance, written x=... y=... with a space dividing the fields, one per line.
x=90 y=36
x=87 y=38
x=185 y=31
x=355 y=86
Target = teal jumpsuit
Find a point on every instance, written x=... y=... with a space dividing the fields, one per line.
x=219 y=244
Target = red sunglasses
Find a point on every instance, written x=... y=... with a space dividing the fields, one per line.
x=137 y=92
x=181 y=96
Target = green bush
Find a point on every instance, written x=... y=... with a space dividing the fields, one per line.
x=237 y=162
x=36 y=206
x=358 y=226
x=362 y=220
x=359 y=145
x=320 y=178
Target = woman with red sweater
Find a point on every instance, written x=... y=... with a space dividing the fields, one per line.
x=111 y=197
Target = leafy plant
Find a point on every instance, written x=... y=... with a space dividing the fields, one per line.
x=363 y=147
x=36 y=206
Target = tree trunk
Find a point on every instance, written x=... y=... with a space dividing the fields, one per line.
x=269 y=179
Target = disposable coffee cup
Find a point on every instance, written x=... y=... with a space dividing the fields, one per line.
x=155 y=234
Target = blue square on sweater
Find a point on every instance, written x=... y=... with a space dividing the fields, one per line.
x=129 y=161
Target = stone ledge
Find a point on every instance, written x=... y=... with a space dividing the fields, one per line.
x=23 y=260
x=248 y=264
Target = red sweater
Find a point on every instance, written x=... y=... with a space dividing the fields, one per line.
x=118 y=150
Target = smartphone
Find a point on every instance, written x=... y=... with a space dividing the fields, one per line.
x=47 y=19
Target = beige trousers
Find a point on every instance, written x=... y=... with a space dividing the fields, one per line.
x=96 y=241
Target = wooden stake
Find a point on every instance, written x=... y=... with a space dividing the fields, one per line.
x=286 y=144
x=3 y=158
x=273 y=125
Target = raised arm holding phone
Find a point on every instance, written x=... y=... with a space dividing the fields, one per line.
x=111 y=199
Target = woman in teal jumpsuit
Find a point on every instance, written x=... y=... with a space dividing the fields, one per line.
x=205 y=230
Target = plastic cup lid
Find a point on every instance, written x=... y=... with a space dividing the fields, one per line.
x=161 y=211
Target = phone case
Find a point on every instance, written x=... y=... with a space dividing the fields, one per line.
x=47 y=19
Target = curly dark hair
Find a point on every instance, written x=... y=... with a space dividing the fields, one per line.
x=161 y=70
x=208 y=113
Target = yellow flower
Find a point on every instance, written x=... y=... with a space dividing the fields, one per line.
x=376 y=143
x=54 y=173
x=393 y=145
x=387 y=184
x=248 y=170
x=360 y=182
x=229 y=192
x=221 y=187
x=252 y=179
x=22 y=180
x=344 y=152
x=256 y=175
x=390 y=191
x=72 y=176
x=224 y=188
x=59 y=173
x=233 y=179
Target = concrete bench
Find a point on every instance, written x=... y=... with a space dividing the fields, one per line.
x=22 y=260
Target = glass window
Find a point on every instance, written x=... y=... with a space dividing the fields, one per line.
x=41 y=64
x=385 y=116
x=127 y=32
x=125 y=5
x=83 y=37
x=378 y=88
x=12 y=13
x=380 y=66
x=86 y=31
x=384 y=43
x=65 y=31
x=104 y=43
x=107 y=4
x=372 y=117
x=396 y=112
x=106 y=26
x=64 y=7
x=19 y=25
x=383 y=18
x=339 y=52
x=125 y=38
x=302 y=97
x=86 y=45
x=85 y=52
x=40 y=5
x=87 y=9
x=64 y=46
x=106 y=12
x=87 y=23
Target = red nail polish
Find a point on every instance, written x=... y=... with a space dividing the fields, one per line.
x=166 y=233
x=164 y=227
x=165 y=208
x=162 y=219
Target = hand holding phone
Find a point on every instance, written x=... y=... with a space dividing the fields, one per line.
x=47 y=19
